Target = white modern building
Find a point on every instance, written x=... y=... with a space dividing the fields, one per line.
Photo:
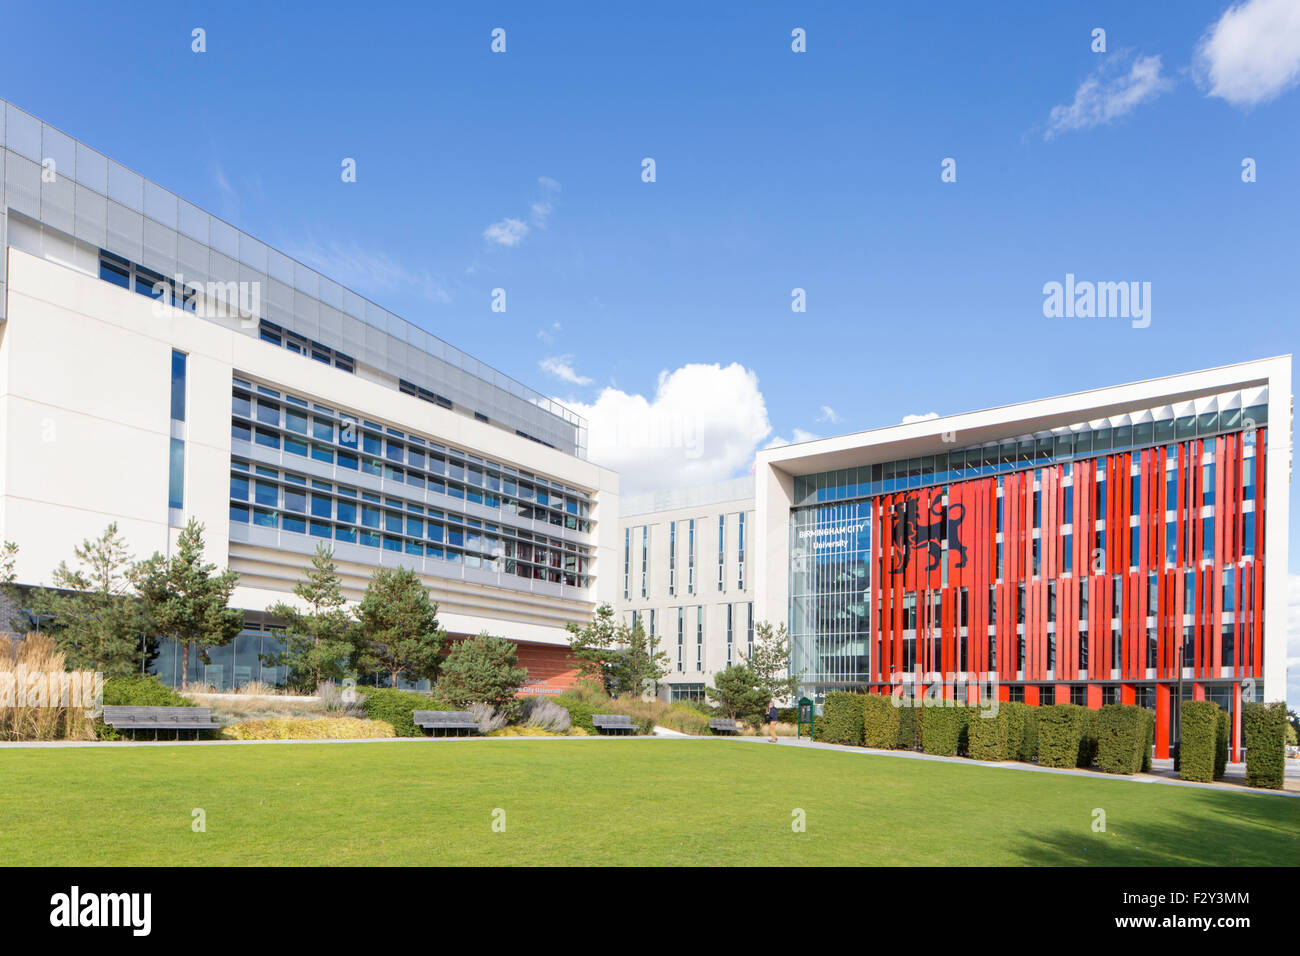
x=157 y=364
x=685 y=563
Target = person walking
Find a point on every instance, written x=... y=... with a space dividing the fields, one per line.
x=771 y=721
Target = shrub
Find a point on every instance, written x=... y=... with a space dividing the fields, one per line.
x=787 y=715
x=580 y=711
x=943 y=728
x=1088 y=739
x=309 y=728
x=396 y=707
x=909 y=728
x=879 y=722
x=1022 y=730
x=1121 y=738
x=487 y=717
x=1060 y=729
x=842 y=717
x=1221 y=734
x=545 y=714
x=1199 y=720
x=142 y=690
x=988 y=734
x=1265 y=731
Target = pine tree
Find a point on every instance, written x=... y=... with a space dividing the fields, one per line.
x=317 y=642
x=398 y=631
x=481 y=670
x=770 y=661
x=96 y=620
x=185 y=599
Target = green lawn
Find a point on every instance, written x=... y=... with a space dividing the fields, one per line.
x=638 y=801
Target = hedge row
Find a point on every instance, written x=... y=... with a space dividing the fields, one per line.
x=1124 y=734
x=1264 y=727
x=1198 y=751
x=1060 y=734
x=841 y=719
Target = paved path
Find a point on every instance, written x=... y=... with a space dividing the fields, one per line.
x=1162 y=770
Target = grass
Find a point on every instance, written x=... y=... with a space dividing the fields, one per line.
x=633 y=801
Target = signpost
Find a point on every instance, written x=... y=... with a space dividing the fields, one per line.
x=805 y=717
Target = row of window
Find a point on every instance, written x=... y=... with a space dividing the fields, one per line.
x=1012 y=455
x=300 y=344
x=274 y=420
x=266 y=497
x=152 y=285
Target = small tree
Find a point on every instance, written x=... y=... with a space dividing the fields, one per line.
x=638 y=664
x=398 y=630
x=770 y=662
x=739 y=693
x=9 y=599
x=317 y=642
x=592 y=645
x=481 y=670
x=96 y=621
x=184 y=599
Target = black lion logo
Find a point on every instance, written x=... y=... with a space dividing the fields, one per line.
x=910 y=534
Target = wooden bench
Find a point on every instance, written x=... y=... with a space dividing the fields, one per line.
x=724 y=725
x=446 y=720
x=160 y=718
x=613 y=723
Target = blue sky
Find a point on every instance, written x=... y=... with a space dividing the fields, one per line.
x=775 y=170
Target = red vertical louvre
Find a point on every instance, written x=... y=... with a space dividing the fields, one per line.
x=877 y=583
x=1143 y=508
x=1180 y=507
x=1257 y=606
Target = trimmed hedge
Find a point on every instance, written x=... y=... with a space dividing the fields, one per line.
x=1088 y=740
x=988 y=734
x=1060 y=731
x=1022 y=730
x=880 y=719
x=1222 y=733
x=142 y=690
x=1199 y=720
x=943 y=729
x=1122 y=731
x=841 y=719
x=909 y=729
x=1265 y=731
x=396 y=707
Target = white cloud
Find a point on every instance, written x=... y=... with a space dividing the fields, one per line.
x=1109 y=93
x=703 y=423
x=511 y=231
x=548 y=335
x=507 y=232
x=561 y=366
x=908 y=419
x=1252 y=54
x=828 y=415
x=365 y=271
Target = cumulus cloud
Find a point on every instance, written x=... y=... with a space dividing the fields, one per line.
x=561 y=366
x=908 y=419
x=1109 y=93
x=828 y=415
x=703 y=423
x=1252 y=53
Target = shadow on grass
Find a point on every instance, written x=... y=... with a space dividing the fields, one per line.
x=1226 y=830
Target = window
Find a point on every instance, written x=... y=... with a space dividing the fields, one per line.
x=645 y=559
x=627 y=560
x=749 y=632
x=176 y=475
x=178 y=386
x=699 y=638
x=722 y=560
x=672 y=558
x=730 y=636
x=690 y=558
x=740 y=552
x=681 y=637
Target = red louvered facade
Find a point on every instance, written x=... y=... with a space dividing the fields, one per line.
x=1080 y=581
